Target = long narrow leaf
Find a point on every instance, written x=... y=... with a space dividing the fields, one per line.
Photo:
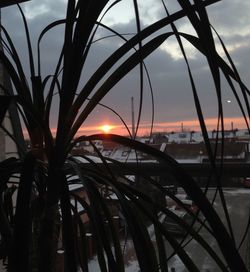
x=119 y=73
x=20 y=252
x=192 y=189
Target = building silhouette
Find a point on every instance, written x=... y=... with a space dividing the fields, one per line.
x=11 y=135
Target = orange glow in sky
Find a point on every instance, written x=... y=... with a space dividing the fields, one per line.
x=238 y=122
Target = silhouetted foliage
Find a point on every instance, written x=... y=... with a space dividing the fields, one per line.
x=45 y=218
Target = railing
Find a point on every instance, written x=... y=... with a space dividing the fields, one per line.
x=194 y=169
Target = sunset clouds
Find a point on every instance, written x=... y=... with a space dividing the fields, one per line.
x=172 y=92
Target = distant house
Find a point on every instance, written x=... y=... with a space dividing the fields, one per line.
x=197 y=137
x=186 y=137
x=197 y=153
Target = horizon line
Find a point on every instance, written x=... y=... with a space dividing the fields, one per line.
x=160 y=127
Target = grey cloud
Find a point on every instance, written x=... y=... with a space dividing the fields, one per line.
x=230 y=15
x=172 y=91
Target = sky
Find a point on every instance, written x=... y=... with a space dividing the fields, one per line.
x=173 y=100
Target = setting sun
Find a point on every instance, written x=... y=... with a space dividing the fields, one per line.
x=106 y=128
